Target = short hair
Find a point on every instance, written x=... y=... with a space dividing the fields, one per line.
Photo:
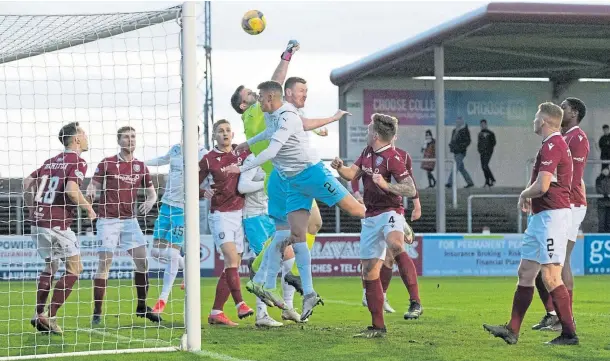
x=552 y=110
x=219 y=123
x=605 y=126
x=270 y=85
x=579 y=106
x=483 y=121
x=292 y=81
x=123 y=130
x=385 y=126
x=67 y=133
x=236 y=99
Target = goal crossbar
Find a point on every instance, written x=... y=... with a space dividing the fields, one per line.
x=55 y=28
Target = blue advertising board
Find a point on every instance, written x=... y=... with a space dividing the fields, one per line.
x=597 y=254
x=480 y=255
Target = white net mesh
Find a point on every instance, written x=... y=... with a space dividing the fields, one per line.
x=105 y=72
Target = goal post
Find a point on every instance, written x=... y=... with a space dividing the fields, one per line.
x=105 y=71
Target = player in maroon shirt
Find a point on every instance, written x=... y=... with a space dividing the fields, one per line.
x=546 y=237
x=415 y=309
x=226 y=220
x=574 y=111
x=52 y=193
x=384 y=223
x=119 y=178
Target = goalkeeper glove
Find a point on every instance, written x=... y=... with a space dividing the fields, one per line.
x=290 y=49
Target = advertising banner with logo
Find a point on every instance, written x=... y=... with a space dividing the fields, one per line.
x=417 y=107
x=597 y=254
x=335 y=255
x=480 y=255
x=19 y=259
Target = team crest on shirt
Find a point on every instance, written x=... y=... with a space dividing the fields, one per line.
x=378 y=161
x=136 y=167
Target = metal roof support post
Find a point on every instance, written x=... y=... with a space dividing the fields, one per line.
x=439 y=96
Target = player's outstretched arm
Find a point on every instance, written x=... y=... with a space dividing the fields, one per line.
x=76 y=196
x=311 y=124
x=28 y=191
x=279 y=75
x=159 y=161
x=347 y=173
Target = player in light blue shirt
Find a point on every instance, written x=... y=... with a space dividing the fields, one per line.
x=299 y=178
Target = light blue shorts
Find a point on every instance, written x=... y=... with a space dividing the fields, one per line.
x=170 y=224
x=277 y=190
x=258 y=230
x=315 y=182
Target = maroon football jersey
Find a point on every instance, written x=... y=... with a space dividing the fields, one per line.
x=226 y=197
x=387 y=162
x=409 y=165
x=553 y=157
x=579 y=148
x=120 y=180
x=52 y=206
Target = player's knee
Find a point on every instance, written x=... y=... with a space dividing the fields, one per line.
x=527 y=276
x=74 y=265
x=551 y=276
x=288 y=252
x=51 y=266
x=139 y=258
x=315 y=221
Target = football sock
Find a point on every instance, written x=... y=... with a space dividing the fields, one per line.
x=310 y=239
x=222 y=293
x=261 y=308
x=42 y=294
x=408 y=273
x=385 y=275
x=274 y=258
x=256 y=265
x=99 y=290
x=571 y=293
x=546 y=298
x=287 y=290
x=561 y=300
x=303 y=261
x=521 y=302
x=62 y=291
x=234 y=285
x=171 y=271
x=374 y=300
x=141 y=282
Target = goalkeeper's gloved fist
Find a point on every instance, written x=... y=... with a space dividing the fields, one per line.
x=293 y=45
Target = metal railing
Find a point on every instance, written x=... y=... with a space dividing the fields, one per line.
x=18 y=198
x=519 y=213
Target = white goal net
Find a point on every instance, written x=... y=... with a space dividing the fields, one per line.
x=106 y=72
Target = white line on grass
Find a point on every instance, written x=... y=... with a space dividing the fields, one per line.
x=210 y=354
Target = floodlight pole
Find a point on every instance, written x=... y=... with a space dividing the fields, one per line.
x=439 y=97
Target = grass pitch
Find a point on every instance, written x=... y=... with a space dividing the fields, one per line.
x=450 y=328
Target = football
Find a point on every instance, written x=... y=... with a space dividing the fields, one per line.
x=253 y=22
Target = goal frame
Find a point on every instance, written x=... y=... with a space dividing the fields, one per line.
x=186 y=15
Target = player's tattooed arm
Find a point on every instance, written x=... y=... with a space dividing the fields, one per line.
x=28 y=191
x=405 y=188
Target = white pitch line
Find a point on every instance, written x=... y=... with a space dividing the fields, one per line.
x=206 y=353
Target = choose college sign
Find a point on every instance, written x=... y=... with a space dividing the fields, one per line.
x=481 y=255
x=19 y=259
x=418 y=107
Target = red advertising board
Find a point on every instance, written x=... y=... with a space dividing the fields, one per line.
x=337 y=255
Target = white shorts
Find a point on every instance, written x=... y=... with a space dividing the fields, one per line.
x=375 y=231
x=55 y=243
x=115 y=232
x=546 y=237
x=204 y=211
x=578 y=215
x=227 y=227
